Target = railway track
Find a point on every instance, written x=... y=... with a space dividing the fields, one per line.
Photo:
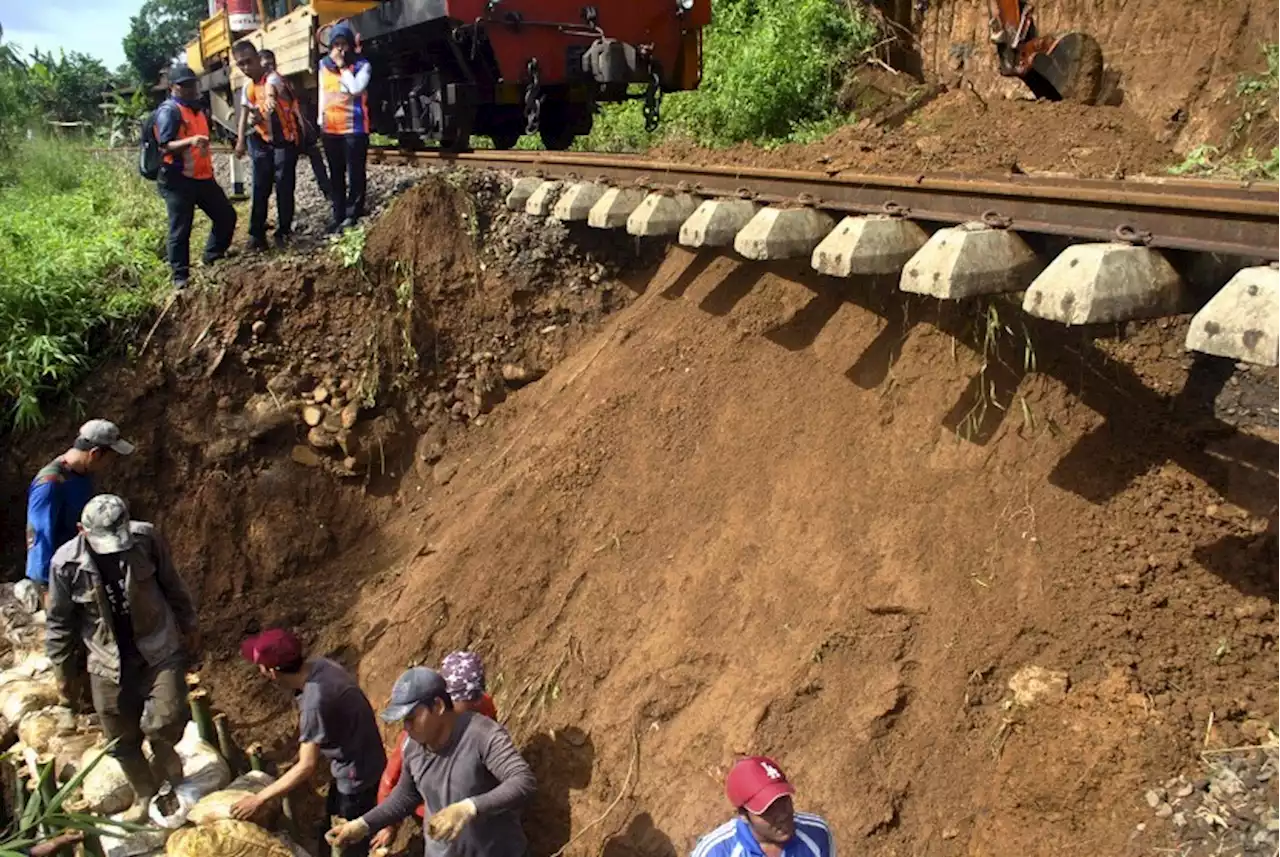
x=1127 y=249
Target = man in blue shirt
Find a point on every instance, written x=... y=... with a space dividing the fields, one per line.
x=767 y=824
x=60 y=491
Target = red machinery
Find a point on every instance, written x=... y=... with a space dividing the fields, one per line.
x=447 y=69
x=1060 y=68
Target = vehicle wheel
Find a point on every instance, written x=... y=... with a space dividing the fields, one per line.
x=557 y=137
x=507 y=140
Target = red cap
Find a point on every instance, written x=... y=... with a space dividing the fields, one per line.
x=755 y=783
x=272 y=648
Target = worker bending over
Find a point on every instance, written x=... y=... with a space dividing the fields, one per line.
x=767 y=824
x=59 y=492
x=464 y=766
x=114 y=590
x=335 y=721
x=273 y=145
x=464 y=682
x=344 y=121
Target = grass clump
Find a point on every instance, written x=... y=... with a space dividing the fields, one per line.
x=80 y=258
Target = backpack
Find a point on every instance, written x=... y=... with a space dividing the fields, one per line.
x=150 y=158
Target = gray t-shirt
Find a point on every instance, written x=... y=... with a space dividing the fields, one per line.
x=480 y=762
x=335 y=713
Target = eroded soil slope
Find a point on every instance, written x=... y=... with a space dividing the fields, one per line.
x=745 y=510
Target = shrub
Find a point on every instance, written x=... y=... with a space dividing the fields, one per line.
x=80 y=243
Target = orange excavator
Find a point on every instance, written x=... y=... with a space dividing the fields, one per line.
x=1059 y=68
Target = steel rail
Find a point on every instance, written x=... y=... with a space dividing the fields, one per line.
x=1176 y=214
x=1237 y=219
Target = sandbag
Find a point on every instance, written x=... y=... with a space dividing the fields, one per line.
x=225 y=838
x=26 y=640
x=203 y=772
x=148 y=843
x=68 y=750
x=217 y=805
x=24 y=695
x=106 y=790
x=37 y=729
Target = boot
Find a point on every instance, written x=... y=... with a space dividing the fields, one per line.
x=166 y=764
x=138 y=772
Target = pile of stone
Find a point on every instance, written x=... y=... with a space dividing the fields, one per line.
x=1230 y=809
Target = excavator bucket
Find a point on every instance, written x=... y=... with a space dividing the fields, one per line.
x=1071 y=70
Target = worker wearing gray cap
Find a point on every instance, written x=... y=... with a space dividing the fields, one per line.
x=462 y=765
x=60 y=491
x=113 y=589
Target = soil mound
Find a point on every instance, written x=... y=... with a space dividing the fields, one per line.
x=962 y=131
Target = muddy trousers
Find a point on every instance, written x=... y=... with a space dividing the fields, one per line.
x=349 y=807
x=182 y=196
x=160 y=694
x=274 y=167
x=347 y=155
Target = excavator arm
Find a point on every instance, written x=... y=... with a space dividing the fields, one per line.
x=1058 y=68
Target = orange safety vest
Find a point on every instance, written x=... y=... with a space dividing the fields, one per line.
x=196 y=163
x=343 y=113
x=286 y=111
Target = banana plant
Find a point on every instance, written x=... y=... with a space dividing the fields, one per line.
x=44 y=817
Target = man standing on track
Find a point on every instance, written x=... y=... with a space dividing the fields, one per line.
x=310 y=136
x=335 y=721
x=463 y=766
x=767 y=824
x=61 y=489
x=186 y=180
x=272 y=146
x=113 y=589
x=344 y=121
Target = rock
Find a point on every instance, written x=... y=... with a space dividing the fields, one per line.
x=1164 y=810
x=259 y=327
x=350 y=414
x=282 y=383
x=312 y=415
x=320 y=439
x=1154 y=798
x=950 y=833
x=444 y=472
x=517 y=375
x=1033 y=684
x=306 y=456
x=224 y=403
x=1184 y=790
x=349 y=463
x=1179 y=819
x=337 y=402
x=431 y=445
x=332 y=420
x=319 y=394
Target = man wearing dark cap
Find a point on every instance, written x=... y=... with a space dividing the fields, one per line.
x=186 y=180
x=114 y=590
x=335 y=721
x=767 y=824
x=464 y=766
x=60 y=490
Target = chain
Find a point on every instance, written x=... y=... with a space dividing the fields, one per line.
x=653 y=103
x=533 y=99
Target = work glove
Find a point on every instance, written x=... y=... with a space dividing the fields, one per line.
x=347 y=833
x=446 y=824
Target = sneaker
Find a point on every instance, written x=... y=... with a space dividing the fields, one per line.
x=348 y=223
x=256 y=245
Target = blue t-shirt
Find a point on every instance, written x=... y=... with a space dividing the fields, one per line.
x=812 y=838
x=55 y=500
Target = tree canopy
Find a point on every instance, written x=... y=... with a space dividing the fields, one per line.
x=158 y=32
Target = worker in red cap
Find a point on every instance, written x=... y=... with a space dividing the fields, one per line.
x=335 y=721
x=767 y=824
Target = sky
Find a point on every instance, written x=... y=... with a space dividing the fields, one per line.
x=93 y=27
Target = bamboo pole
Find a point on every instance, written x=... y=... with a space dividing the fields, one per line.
x=255 y=757
x=227 y=745
x=202 y=714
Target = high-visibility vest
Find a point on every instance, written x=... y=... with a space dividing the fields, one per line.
x=285 y=118
x=197 y=163
x=341 y=112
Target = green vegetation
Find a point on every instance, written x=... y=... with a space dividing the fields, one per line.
x=80 y=242
x=771 y=73
x=158 y=32
x=1254 y=128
